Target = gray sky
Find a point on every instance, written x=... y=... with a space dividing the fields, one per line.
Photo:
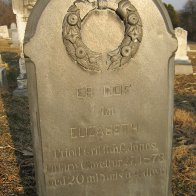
x=178 y=4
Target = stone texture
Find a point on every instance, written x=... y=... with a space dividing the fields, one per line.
x=99 y=131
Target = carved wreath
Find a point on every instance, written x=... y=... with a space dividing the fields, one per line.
x=90 y=60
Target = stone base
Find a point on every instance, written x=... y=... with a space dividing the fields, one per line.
x=182 y=62
x=20 y=92
x=183 y=69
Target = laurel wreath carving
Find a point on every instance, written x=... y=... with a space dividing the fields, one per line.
x=90 y=60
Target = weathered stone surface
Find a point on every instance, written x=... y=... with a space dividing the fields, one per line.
x=101 y=110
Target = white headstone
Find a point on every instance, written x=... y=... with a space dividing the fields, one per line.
x=4 y=32
x=13 y=26
x=13 y=32
x=182 y=61
x=181 y=54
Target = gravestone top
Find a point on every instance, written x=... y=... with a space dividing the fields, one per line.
x=181 y=53
x=4 y=32
x=101 y=104
x=13 y=26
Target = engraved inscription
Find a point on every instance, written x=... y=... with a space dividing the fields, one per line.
x=107 y=149
x=128 y=161
x=87 y=165
x=95 y=178
x=116 y=90
x=84 y=92
x=108 y=91
x=108 y=111
x=102 y=131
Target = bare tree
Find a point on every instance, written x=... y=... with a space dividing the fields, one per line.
x=188 y=19
x=6 y=13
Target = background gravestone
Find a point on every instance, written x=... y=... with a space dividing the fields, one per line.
x=3 y=74
x=182 y=61
x=100 y=79
x=22 y=9
x=13 y=33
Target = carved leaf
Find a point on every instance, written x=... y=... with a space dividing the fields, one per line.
x=126 y=41
x=83 y=63
x=68 y=28
x=73 y=8
x=71 y=50
x=115 y=65
x=114 y=52
x=125 y=60
x=116 y=58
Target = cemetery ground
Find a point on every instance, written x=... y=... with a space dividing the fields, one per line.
x=16 y=156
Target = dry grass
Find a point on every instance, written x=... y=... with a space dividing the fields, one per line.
x=184 y=140
x=9 y=170
x=5 y=46
x=185 y=119
x=184 y=171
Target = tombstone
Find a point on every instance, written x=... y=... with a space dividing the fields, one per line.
x=13 y=26
x=22 y=9
x=182 y=61
x=100 y=80
x=3 y=78
x=3 y=75
x=4 y=32
x=13 y=32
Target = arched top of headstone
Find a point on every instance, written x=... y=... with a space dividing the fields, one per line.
x=180 y=32
x=42 y=4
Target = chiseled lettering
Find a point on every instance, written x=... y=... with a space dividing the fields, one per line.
x=110 y=149
x=116 y=90
x=100 y=177
x=102 y=131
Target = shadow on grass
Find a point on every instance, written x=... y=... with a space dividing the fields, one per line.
x=185 y=102
x=16 y=110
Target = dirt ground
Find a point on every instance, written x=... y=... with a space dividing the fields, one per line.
x=17 y=175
